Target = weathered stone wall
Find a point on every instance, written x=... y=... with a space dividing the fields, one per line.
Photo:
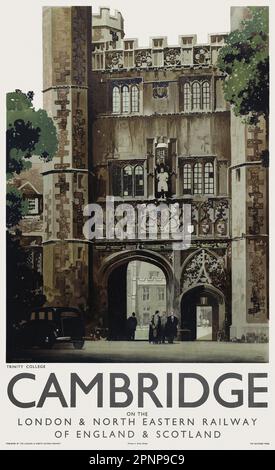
x=126 y=137
x=67 y=56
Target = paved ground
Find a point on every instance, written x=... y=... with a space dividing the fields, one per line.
x=142 y=351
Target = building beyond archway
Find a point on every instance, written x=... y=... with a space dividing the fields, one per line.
x=138 y=287
x=111 y=290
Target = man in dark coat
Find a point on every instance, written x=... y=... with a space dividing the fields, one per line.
x=131 y=327
x=171 y=328
x=163 y=321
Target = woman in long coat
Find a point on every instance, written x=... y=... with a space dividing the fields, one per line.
x=155 y=329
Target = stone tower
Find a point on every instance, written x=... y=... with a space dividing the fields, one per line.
x=66 y=65
x=249 y=184
x=107 y=28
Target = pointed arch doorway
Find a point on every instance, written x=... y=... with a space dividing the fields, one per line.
x=202 y=313
x=136 y=287
x=113 y=275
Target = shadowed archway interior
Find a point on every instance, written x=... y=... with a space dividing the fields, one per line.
x=200 y=314
x=138 y=287
x=117 y=303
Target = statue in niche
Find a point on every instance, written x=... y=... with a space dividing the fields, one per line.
x=162 y=181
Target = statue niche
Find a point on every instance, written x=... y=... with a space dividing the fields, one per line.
x=162 y=182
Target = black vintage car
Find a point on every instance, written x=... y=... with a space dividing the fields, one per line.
x=49 y=325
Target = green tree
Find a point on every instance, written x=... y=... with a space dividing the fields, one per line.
x=16 y=207
x=245 y=61
x=29 y=132
x=23 y=282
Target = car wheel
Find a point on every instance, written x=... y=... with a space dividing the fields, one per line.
x=78 y=344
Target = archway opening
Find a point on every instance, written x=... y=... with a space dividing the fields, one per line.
x=137 y=287
x=202 y=315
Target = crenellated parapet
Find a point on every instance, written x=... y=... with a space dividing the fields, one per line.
x=126 y=53
x=107 y=27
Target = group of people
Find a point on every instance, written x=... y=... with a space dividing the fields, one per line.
x=161 y=328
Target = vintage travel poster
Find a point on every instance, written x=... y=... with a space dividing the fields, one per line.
x=136 y=295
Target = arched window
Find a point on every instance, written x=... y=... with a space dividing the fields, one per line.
x=127 y=181
x=208 y=178
x=187 y=178
x=139 y=181
x=125 y=99
x=206 y=95
x=187 y=97
x=135 y=99
x=196 y=96
x=116 y=100
x=198 y=178
x=116 y=180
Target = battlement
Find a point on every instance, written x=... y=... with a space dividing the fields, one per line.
x=126 y=53
x=105 y=25
x=104 y=13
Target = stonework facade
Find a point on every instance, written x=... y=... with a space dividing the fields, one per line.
x=148 y=125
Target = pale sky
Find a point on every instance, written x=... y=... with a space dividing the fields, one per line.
x=22 y=33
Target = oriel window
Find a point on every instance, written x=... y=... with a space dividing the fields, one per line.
x=187 y=178
x=135 y=99
x=208 y=178
x=187 y=97
x=196 y=96
x=127 y=181
x=116 y=100
x=139 y=181
x=197 y=178
x=206 y=95
x=125 y=99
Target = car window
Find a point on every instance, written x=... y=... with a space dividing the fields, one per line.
x=42 y=315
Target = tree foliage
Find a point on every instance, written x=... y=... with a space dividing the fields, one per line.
x=23 y=282
x=245 y=61
x=16 y=207
x=28 y=132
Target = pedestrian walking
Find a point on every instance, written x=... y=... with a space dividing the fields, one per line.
x=171 y=328
x=163 y=323
x=154 y=330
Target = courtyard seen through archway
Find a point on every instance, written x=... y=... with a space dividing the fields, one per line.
x=146 y=293
x=135 y=287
